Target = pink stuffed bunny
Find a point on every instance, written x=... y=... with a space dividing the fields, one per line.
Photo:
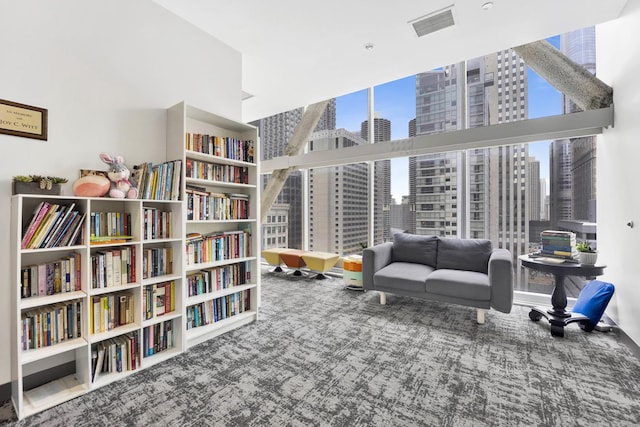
x=119 y=175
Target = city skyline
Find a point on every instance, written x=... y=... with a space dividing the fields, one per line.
x=395 y=101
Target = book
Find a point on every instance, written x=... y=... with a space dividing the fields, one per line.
x=116 y=267
x=38 y=215
x=44 y=227
x=99 y=362
x=56 y=227
x=159 y=299
x=552 y=259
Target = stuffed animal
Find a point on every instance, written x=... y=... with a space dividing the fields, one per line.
x=119 y=174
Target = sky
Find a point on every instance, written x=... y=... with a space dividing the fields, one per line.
x=395 y=101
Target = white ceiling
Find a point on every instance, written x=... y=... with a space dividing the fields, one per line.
x=297 y=52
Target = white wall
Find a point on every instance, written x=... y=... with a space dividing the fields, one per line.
x=106 y=71
x=618 y=59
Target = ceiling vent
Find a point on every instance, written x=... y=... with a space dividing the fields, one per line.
x=433 y=22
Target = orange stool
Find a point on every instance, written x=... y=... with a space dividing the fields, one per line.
x=292 y=258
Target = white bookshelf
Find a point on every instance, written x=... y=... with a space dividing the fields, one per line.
x=183 y=119
x=77 y=350
x=171 y=273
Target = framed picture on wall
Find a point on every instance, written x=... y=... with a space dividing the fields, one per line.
x=23 y=120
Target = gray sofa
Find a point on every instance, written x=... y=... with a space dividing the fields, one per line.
x=460 y=271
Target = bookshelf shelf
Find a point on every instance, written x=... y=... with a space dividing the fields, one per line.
x=159 y=319
x=112 y=289
x=52 y=394
x=160 y=279
x=29 y=356
x=207 y=265
x=221 y=326
x=55 y=249
x=111 y=377
x=167 y=354
x=221 y=221
x=195 y=155
x=32 y=302
x=115 y=332
x=206 y=182
x=197 y=299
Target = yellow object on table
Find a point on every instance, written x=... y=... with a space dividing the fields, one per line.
x=320 y=262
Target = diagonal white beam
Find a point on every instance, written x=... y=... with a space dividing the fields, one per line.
x=570 y=78
x=296 y=145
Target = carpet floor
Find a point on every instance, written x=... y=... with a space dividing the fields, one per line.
x=321 y=355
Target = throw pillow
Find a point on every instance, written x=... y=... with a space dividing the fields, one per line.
x=464 y=254
x=415 y=248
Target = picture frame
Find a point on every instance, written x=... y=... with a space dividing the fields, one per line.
x=23 y=120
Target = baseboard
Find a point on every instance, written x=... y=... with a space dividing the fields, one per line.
x=607 y=324
x=5 y=392
x=39 y=378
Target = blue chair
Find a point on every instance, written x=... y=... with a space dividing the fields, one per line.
x=592 y=302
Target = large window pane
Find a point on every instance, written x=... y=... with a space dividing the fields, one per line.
x=507 y=194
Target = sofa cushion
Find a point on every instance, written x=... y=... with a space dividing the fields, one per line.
x=459 y=284
x=464 y=254
x=415 y=248
x=402 y=277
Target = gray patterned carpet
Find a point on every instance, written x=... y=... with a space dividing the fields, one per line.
x=324 y=356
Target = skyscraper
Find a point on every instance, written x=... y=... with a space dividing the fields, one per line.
x=496 y=197
x=580 y=46
x=560 y=180
x=382 y=173
x=338 y=198
x=433 y=191
x=535 y=208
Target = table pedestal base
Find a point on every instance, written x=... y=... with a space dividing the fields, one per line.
x=557 y=319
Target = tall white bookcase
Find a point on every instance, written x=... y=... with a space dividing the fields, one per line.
x=131 y=315
x=217 y=163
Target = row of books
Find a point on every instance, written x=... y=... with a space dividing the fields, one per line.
x=212 y=311
x=109 y=227
x=50 y=325
x=217 y=246
x=160 y=181
x=110 y=311
x=52 y=277
x=113 y=267
x=204 y=205
x=53 y=225
x=119 y=354
x=158 y=299
x=227 y=147
x=215 y=279
x=157 y=262
x=157 y=337
x=215 y=172
x=157 y=224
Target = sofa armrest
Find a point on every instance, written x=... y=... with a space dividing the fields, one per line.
x=373 y=259
x=501 y=280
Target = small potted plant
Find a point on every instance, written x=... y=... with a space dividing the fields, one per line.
x=37 y=184
x=587 y=255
